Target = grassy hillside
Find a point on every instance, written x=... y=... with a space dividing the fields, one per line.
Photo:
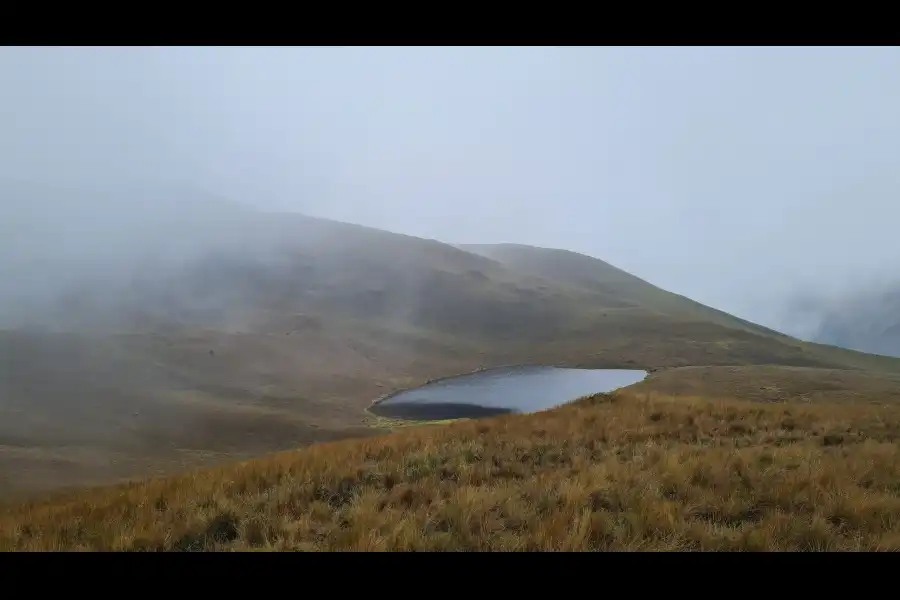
x=80 y=409
x=627 y=471
x=276 y=331
x=777 y=384
x=669 y=312
x=585 y=272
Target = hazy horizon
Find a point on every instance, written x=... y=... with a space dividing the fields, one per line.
x=740 y=177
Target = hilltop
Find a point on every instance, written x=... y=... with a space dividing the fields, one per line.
x=618 y=288
x=224 y=333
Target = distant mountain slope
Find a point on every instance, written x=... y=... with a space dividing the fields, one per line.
x=648 y=308
x=868 y=321
x=585 y=272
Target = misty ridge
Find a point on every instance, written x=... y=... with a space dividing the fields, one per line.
x=80 y=256
x=89 y=258
x=864 y=317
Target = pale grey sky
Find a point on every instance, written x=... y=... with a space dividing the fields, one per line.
x=731 y=175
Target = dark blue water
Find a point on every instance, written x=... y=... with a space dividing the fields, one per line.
x=498 y=391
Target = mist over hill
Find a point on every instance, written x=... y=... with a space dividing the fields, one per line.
x=94 y=262
x=148 y=258
x=866 y=319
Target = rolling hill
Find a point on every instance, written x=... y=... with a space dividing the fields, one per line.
x=191 y=336
x=617 y=287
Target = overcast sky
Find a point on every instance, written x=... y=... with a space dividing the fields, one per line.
x=731 y=175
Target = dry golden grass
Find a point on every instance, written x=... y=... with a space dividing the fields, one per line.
x=610 y=472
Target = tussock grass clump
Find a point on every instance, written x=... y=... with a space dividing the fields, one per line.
x=609 y=472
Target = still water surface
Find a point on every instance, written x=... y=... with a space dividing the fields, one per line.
x=498 y=391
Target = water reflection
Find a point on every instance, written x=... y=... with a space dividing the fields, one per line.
x=499 y=391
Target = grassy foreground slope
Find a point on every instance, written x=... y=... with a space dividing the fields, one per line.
x=625 y=471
